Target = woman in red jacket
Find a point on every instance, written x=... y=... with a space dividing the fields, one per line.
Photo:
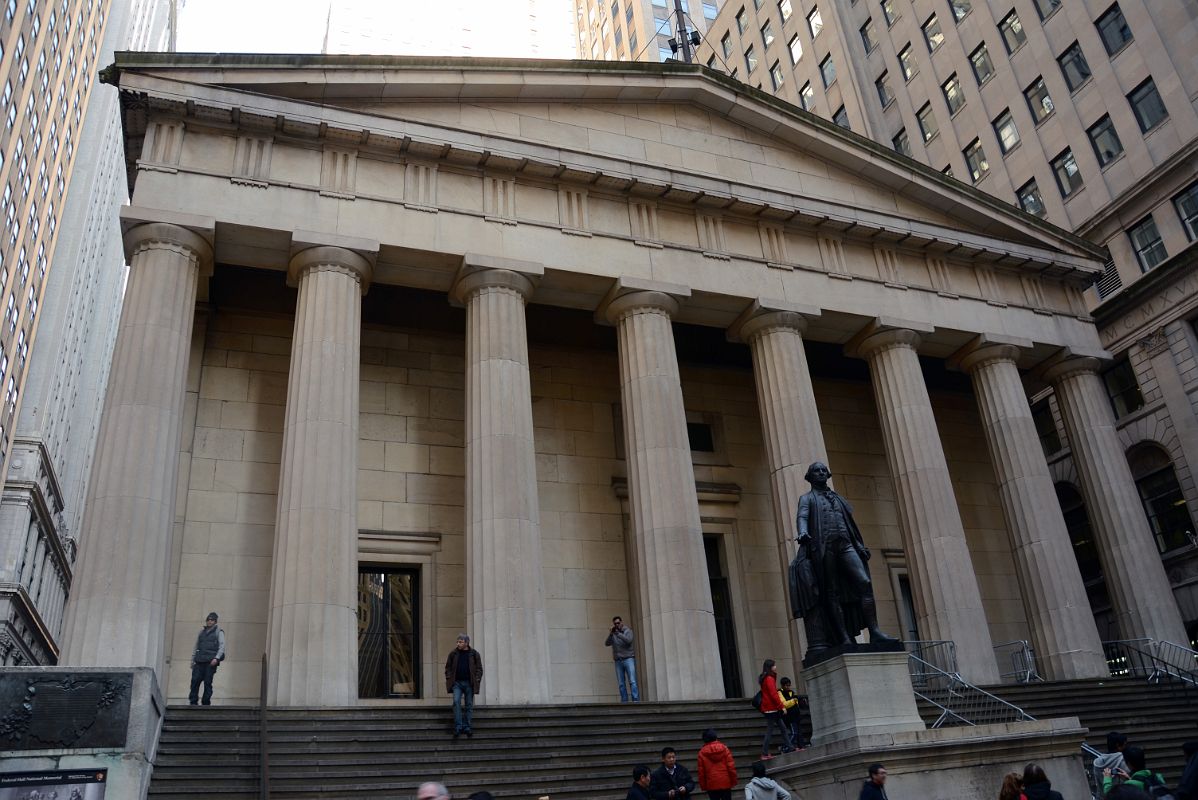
x=772 y=705
x=717 y=770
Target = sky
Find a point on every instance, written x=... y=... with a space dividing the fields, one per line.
x=515 y=28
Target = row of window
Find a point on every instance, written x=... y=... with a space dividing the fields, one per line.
x=1146 y=239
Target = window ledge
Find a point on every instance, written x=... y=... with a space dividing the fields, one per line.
x=1014 y=147
x=952 y=115
x=913 y=74
x=1069 y=197
x=927 y=140
x=1123 y=47
x=1082 y=85
x=1012 y=53
x=1046 y=117
x=1156 y=127
x=1113 y=161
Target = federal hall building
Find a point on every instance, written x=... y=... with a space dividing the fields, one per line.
x=416 y=347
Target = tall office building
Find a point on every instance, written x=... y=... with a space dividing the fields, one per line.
x=519 y=28
x=637 y=30
x=49 y=441
x=1077 y=111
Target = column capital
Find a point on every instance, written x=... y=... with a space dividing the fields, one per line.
x=630 y=294
x=764 y=315
x=1065 y=364
x=985 y=349
x=884 y=333
x=480 y=272
x=171 y=236
x=328 y=257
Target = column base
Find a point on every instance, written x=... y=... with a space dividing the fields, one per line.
x=860 y=694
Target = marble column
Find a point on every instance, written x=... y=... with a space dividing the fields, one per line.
x=947 y=598
x=505 y=596
x=1131 y=565
x=1063 y=632
x=312 y=634
x=117 y=610
x=790 y=422
x=677 y=655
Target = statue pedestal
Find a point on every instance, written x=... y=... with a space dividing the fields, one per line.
x=861 y=694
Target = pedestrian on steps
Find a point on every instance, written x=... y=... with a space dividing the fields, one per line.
x=430 y=790
x=209 y=652
x=772 y=706
x=1012 y=787
x=763 y=787
x=1036 y=784
x=1112 y=759
x=670 y=781
x=875 y=786
x=463 y=679
x=1137 y=774
x=717 y=769
x=640 y=784
x=1187 y=787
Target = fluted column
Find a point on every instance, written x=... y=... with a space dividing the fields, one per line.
x=117 y=610
x=505 y=597
x=947 y=599
x=790 y=422
x=678 y=653
x=1063 y=632
x=312 y=634
x=1131 y=565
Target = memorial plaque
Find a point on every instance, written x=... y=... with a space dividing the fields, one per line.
x=64 y=710
x=72 y=784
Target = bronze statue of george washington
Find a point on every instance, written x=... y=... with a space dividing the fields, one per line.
x=830 y=587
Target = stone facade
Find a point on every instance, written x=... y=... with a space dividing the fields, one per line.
x=585 y=267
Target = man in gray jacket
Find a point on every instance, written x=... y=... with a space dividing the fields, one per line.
x=620 y=642
x=1113 y=760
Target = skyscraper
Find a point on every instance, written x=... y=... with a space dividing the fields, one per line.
x=636 y=30
x=77 y=277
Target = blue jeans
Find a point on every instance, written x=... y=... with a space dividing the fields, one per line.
x=627 y=666
x=463 y=706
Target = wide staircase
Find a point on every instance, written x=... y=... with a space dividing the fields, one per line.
x=565 y=752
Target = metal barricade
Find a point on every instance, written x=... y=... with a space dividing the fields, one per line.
x=1018 y=660
x=959 y=701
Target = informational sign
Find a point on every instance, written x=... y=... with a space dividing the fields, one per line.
x=71 y=784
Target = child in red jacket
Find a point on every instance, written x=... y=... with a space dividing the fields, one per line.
x=717 y=770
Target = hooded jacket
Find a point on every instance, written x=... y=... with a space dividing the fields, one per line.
x=765 y=789
x=717 y=770
x=1041 y=791
x=1114 y=762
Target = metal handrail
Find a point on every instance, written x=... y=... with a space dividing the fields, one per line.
x=959 y=701
x=941 y=653
x=1178 y=661
x=1127 y=656
x=1023 y=661
x=1154 y=660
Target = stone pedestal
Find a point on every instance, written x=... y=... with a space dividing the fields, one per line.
x=861 y=694
x=83 y=719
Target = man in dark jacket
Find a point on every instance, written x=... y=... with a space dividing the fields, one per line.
x=875 y=787
x=640 y=784
x=670 y=781
x=1187 y=787
x=463 y=678
x=209 y=652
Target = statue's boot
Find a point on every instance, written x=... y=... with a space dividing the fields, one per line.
x=838 y=633
x=870 y=609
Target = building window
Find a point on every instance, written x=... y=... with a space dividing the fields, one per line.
x=1030 y=199
x=632 y=42
x=1186 y=204
x=1004 y=129
x=1038 y=101
x=664 y=53
x=1146 y=240
x=1046 y=8
x=1013 y=35
x=1046 y=428
x=953 y=95
x=1113 y=30
x=932 y=33
x=888 y=12
x=975 y=160
x=1164 y=504
x=1069 y=179
x=901 y=143
x=1077 y=523
x=827 y=71
x=960 y=8
x=841 y=118
x=701 y=436
x=1105 y=141
x=869 y=36
x=1074 y=66
x=767 y=33
x=1147 y=105
x=796 y=49
x=983 y=67
x=885 y=93
x=907 y=62
x=1122 y=389
x=815 y=22
x=776 y=76
x=927 y=122
x=710 y=11
x=741 y=22
x=750 y=59
x=786 y=9
x=726 y=45
x=807 y=96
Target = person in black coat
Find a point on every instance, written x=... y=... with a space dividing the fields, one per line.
x=1187 y=787
x=875 y=787
x=640 y=784
x=670 y=781
x=1036 y=784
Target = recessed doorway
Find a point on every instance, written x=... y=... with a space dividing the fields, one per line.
x=388 y=632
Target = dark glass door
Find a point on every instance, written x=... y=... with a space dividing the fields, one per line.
x=388 y=632
x=725 y=628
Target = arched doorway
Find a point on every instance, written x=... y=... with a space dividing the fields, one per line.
x=1164 y=504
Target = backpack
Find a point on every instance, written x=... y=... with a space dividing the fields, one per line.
x=756 y=701
x=1156 y=788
